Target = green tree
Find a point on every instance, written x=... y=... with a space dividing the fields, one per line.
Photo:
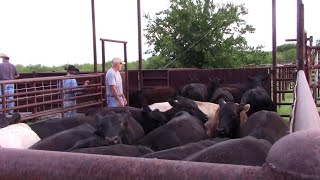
x=199 y=33
x=286 y=53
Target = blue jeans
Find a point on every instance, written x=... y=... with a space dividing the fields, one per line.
x=8 y=89
x=112 y=102
x=72 y=112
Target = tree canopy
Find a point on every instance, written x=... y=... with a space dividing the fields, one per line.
x=199 y=33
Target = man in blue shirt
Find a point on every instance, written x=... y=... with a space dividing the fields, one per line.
x=69 y=93
x=114 y=90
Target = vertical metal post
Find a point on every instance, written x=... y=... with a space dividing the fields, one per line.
x=62 y=97
x=94 y=37
x=126 y=71
x=274 y=52
x=300 y=34
x=103 y=57
x=139 y=45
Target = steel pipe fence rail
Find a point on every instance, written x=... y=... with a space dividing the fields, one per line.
x=35 y=97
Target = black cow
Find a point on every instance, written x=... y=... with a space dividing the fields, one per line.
x=266 y=125
x=231 y=117
x=216 y=92
x=181 y=152
x=242 y=151
x=64 y=140
x=259 y=99
x=52 y=126
x=185 y=104
x=5 y=121
x=147 y=118
x=145 y=97
x=117 y=150
x=221 y=93
x=238 y=90
x=195 y=91
x=112 y=128
x=180 y=130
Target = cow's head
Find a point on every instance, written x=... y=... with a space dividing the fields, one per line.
x=257 y=80
x=214 y=84
x=112 y=126
x=188 y=105
x=230 y=117
x=15 y=118
x=152 y=119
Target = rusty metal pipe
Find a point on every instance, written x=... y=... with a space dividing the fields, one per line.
x=274 y=52
x=103 y=57
x=112 y=40
x=300 y=34
x=33 y=164
x=140 y=85
x=94 y=37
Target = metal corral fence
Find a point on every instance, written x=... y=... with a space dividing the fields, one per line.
x=38 y=94
x=35 y=97
x=286 y=159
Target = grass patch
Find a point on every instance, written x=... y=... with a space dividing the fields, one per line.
x=286 y=109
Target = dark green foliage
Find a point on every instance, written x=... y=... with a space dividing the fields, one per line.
x=286 y=53
x=199 y=33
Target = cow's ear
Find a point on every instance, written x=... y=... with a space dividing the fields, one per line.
x=221 y=102
x=124 y=123
x=244 y=107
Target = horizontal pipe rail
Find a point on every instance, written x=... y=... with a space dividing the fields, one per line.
x=34 y=164
x=45 y=95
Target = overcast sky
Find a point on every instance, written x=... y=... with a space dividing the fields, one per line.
x=56 y=32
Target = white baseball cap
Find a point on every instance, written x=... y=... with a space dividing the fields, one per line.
x=117 y=59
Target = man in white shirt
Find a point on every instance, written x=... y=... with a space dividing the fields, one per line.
x=114 y=89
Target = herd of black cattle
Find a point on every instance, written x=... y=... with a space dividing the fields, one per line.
x=246 y=126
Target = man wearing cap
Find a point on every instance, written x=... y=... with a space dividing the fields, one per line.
x=7 y=72
x=114 y=90
x=69 y=93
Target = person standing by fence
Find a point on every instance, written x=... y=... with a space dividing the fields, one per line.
x=7 y=72
x=69 y=93
x=114 y=90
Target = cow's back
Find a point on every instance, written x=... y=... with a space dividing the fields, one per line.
x=243 y=151
x=179 y=131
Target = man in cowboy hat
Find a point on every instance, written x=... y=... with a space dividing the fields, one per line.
x=69 y=93
x=7 y=72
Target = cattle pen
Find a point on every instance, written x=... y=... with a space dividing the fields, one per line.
x=295 y=156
